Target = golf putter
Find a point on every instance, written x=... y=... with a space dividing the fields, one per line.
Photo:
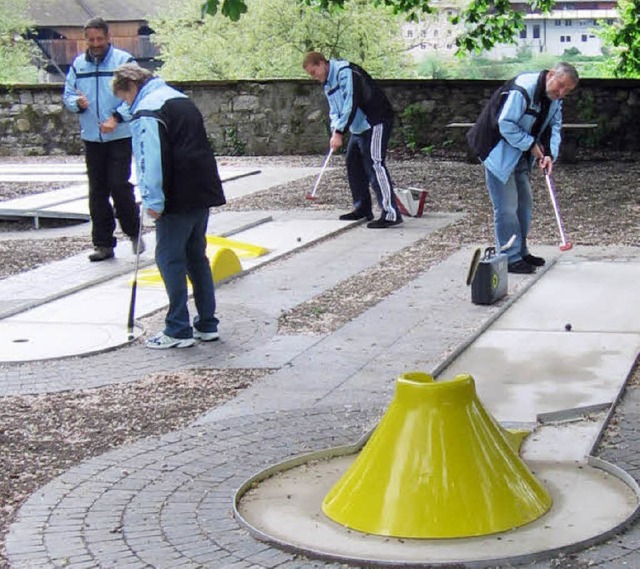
x=508 y=244
x=312 y=195
x=564 y=244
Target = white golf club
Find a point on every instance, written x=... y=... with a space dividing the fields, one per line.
x=312 y=195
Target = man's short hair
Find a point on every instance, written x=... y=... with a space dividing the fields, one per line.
x=313 y=58
x=567 y=70
x=97 y=24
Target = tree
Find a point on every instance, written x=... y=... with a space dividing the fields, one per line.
x=624 y=39
x=272 y=38
x=487 y=23
x=15 y=50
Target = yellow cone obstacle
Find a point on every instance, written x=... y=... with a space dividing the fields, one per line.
x=225 y=263
x=437 y=466
x=224 y=254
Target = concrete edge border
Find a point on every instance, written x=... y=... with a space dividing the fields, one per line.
x=107 y=277
x=345 y=450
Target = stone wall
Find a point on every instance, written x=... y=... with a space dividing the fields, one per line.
x=290 y=117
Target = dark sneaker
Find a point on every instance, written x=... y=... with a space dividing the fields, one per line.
x=355 y=215
x=138 y=246
x=533 y=260
x=383 y=223
x=101 y=254
x=521 y=268
x=205 y=336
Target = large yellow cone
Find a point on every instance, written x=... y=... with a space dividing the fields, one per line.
x=437 y=466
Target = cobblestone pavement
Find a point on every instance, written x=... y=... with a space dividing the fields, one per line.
x=167 y=501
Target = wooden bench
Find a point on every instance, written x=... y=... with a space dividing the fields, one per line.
x=568 y=148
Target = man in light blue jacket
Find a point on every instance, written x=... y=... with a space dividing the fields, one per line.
x=107 y=140
x=520 y=125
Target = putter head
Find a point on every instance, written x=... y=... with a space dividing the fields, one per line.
x=566 y=246
x=311 y=197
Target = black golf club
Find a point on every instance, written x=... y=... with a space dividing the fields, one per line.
x=134 y=287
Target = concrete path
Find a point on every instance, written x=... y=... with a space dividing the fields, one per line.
x=167 y=501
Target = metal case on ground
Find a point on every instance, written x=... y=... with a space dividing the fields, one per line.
x=490 y=282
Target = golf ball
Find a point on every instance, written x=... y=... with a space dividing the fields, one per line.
x=567 y=327
x=299 y=239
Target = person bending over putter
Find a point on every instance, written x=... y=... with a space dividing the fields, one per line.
x=179 y=181
x=358 y=105
x=521 y=124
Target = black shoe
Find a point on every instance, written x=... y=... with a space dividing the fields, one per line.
x=383 y=223
x=521 y=268
x=533 y=260
x=355 y=215
x=101 y=254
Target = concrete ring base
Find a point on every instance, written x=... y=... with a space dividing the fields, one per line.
x=282 y=506
x=29 y=342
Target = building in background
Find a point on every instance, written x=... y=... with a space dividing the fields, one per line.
x=58 y=30
x=569 y=25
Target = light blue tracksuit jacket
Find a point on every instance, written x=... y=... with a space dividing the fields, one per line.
x=92 y=78
x=516 y=121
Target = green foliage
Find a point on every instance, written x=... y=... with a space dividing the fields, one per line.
x=233 y=146
x=433 y=67
x=623 y=38
x=415 y=127
x=478 y=67
x=411 y=9
x=272 y=38
x=487 y=23
x=15 y=52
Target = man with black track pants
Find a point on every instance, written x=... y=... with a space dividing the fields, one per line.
x=358 y=105
x=107 y=140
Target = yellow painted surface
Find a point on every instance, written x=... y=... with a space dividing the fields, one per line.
x=224 y=263
x=437 y=466
x=240 y=248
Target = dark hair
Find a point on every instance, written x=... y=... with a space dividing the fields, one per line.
x=97 y=24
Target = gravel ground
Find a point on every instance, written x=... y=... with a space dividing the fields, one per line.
x=43 y=435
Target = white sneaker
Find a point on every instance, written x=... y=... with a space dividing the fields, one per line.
x=205 y=336
x=162 y=342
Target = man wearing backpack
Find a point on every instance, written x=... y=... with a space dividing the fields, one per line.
x=358 y=105
x=179 y=182
x=520 y=125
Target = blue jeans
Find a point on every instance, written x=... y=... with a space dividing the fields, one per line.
x=180 y=252
x=366 y=153
x=512 y=207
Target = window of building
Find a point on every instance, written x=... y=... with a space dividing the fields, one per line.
x=409 y=33
x=567 y=22
x=423 y=33
x=523 y=33
x=536 y=31
x=557 y=22
x=561 y=39
x=584 y=37
x=568 y=39
x=423 y=46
